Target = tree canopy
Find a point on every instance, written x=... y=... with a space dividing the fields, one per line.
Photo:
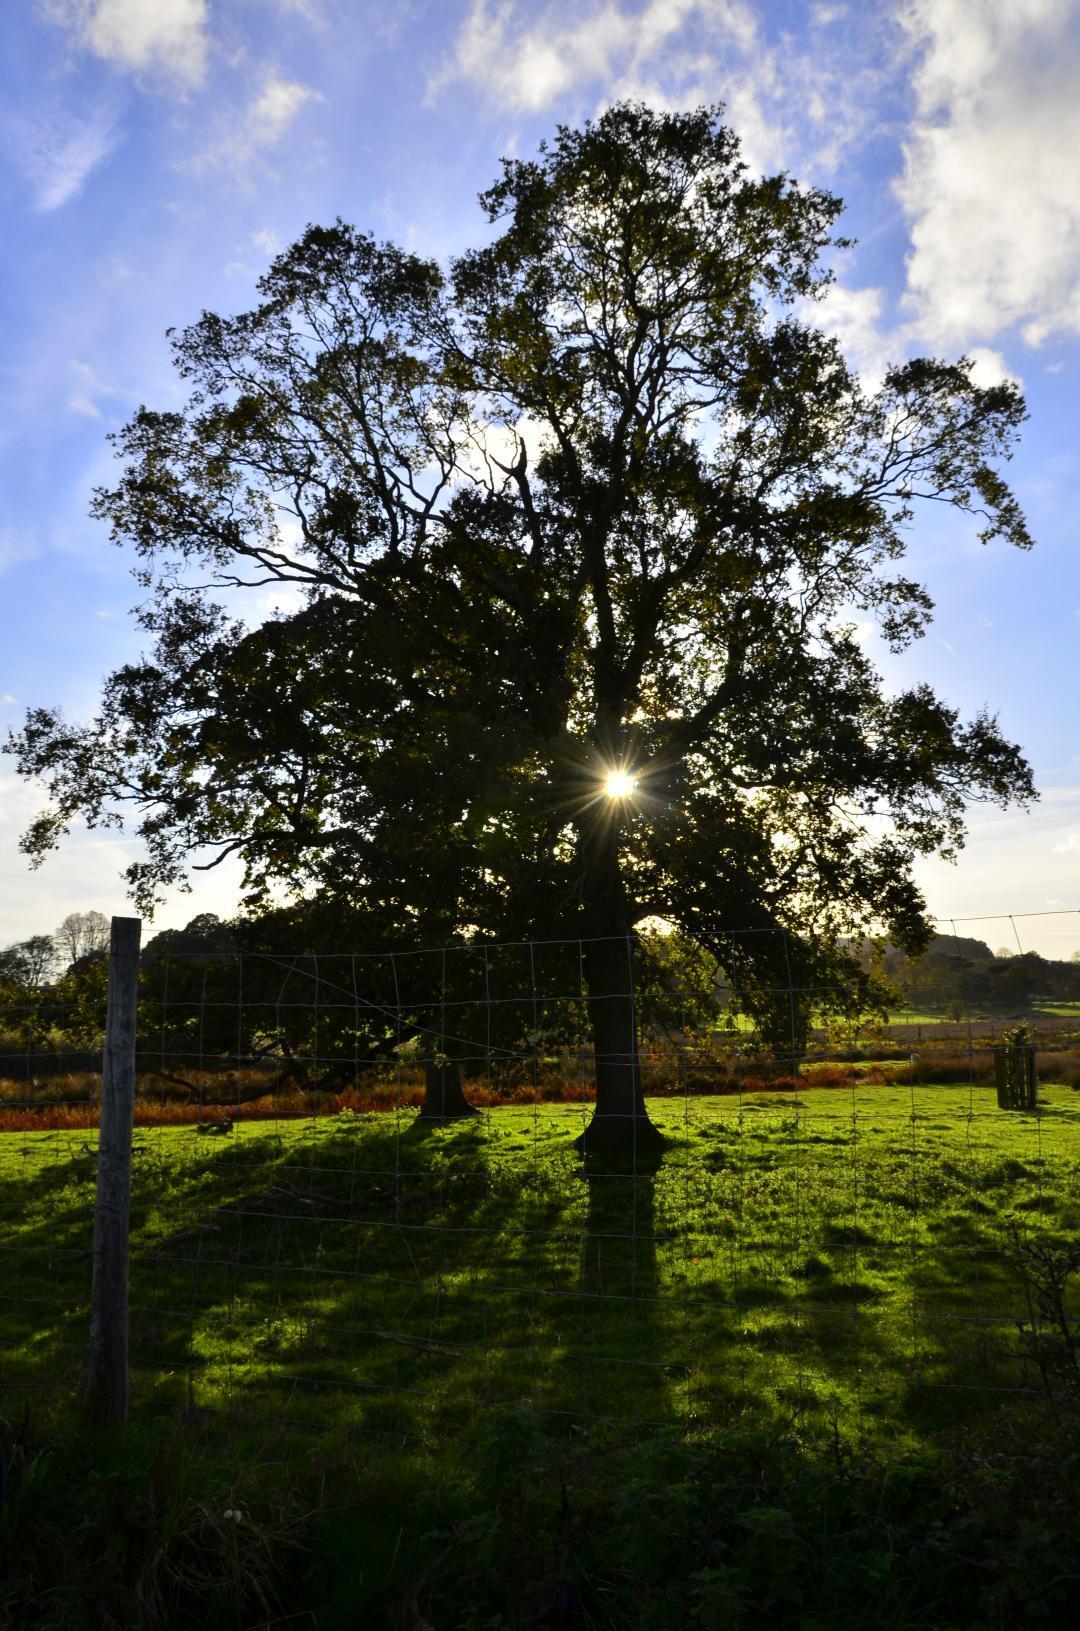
x=82 y=934
x=597 y=497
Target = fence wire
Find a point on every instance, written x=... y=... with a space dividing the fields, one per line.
x=834 y=1223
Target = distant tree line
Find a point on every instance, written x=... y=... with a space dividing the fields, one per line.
x=284 y=985
x=288 y=990
x=28 y=965
x=960 y=976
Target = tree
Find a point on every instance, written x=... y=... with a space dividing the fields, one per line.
x=82 y=934
x=28 y=1010
x=204 y=933
x=596 y=501
x=27 y=964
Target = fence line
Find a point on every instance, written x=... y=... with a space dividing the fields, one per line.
x=816 y=1228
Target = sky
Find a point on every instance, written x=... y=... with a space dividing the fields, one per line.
x=156 y=154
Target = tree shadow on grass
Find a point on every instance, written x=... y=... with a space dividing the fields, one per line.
x=405 y=1278
x=613 y=1363
x=46 y=1229
x=402 y=1267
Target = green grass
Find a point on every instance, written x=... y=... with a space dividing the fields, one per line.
x=920 y=1016
x=844 y=1252
x=365 y=1293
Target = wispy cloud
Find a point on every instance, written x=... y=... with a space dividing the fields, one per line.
x=266 y=244
x=84 y=405
x=87 y=389
x=528 y=67
x=262 y=124
x=990 y=180
x=275 y=108
x=166 y=38
x=57 y=152
x=784 y=101
x=310 y=10
x=268 y=241
x=34 y=902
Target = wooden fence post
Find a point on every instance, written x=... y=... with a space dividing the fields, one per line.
x=108 y=1387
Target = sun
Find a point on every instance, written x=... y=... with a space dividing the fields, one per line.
x=619 y=784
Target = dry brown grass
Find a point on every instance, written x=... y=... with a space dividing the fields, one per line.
x=71 y=1101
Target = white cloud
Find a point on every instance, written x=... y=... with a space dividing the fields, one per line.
x=83 y=371
x=57 y=153
x=794 y=105
x=989 y=368
x=275 y=108
x=528 y=67
x=854 y=318
x=990 y=179
x=7 y=700
x=262 y=124
x=493 y=447
x=309 y=10
x=266 y=242
x=164 y=37
x=865 y=633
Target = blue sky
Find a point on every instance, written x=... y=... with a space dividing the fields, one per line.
x=154 y=154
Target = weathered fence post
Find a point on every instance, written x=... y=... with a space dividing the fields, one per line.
x=108 y=1388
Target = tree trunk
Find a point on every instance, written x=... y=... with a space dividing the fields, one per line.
x=444 y=1099
x=620 y=1118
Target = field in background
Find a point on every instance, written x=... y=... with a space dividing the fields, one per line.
x=57 y=1099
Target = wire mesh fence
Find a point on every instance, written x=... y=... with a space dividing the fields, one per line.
x=360 y=1198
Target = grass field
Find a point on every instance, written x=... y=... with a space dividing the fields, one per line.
x=360 y=1298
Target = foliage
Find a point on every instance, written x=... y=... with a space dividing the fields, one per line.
x=525 y=1527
